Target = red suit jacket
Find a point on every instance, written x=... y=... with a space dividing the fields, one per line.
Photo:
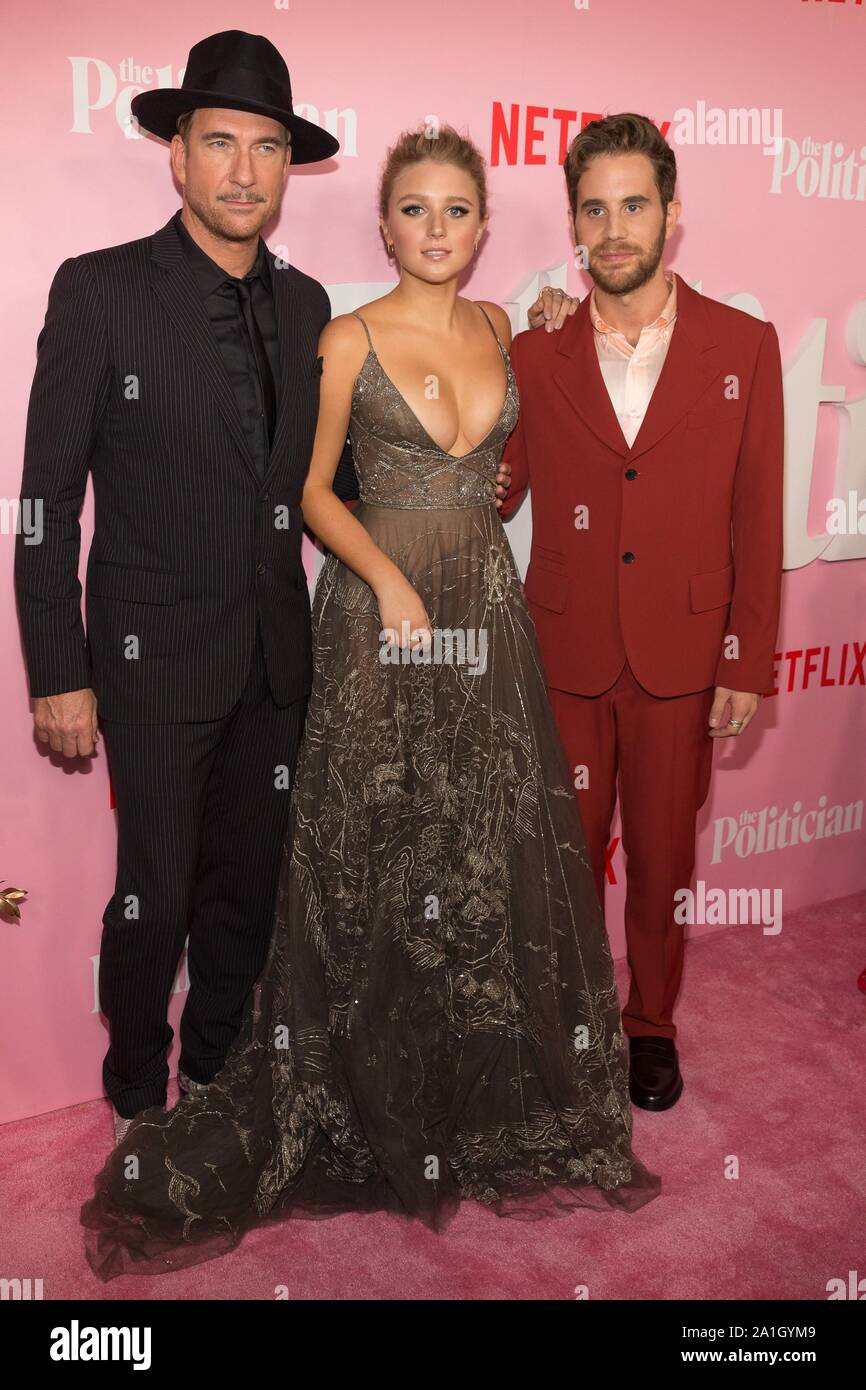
x=680 y=546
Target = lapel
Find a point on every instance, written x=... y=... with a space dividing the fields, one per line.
x=690 y=364
x=175 y=286
x=291 y=359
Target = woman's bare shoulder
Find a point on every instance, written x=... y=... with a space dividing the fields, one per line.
x=377 y=310
x=343 y=339
x=498 y=318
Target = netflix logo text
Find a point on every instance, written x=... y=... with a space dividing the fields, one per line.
x=803 y=668
x=537 y=134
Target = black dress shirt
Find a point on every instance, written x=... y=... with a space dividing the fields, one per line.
x=221 y=301
x=220 y=298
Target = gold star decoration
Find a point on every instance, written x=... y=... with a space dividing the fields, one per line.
x=9 y=900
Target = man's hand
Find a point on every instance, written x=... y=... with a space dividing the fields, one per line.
x=503 y=483
x=742 y=705
x=551 y=308
x=67 y=722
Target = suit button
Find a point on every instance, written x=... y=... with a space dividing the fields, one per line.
x=631 y=473
x=260 y=569
x=628 y=557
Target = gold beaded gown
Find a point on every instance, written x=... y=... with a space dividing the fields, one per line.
x=437 y=1019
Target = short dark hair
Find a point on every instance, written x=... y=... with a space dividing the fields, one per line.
x=624 y=133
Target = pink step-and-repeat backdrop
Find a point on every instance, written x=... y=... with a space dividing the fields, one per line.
x=773 y=221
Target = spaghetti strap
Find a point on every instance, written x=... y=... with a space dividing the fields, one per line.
x=475 y=301
x=366 y=329
x=490 y=321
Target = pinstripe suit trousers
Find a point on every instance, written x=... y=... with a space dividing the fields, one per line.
x=202 y=814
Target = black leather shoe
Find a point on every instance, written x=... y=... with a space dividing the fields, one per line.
x=654 y=1079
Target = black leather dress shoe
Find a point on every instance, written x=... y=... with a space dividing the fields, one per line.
x=654 y=1079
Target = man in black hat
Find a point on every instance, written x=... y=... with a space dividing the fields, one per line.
x=181 y=371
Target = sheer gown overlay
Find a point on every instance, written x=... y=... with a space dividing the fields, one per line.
x=437 y=1019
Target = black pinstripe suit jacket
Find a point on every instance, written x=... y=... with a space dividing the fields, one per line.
x=189 y=544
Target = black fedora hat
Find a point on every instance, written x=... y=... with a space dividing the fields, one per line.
x=243 y=72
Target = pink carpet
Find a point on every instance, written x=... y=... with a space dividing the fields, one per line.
x=772 y=1037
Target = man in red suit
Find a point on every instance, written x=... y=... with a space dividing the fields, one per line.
x=651 y=431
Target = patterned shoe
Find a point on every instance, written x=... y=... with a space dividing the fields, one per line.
x=189 y=1087
x=121 y=1126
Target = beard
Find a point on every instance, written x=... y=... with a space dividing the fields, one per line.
x=219 y=222
x=626 y=280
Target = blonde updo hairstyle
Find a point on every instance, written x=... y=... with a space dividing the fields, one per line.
x=443 y=144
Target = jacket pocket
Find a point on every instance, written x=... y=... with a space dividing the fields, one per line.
x=133 y=583
x=711 y=590
x=544 y=552
x=546 y=584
